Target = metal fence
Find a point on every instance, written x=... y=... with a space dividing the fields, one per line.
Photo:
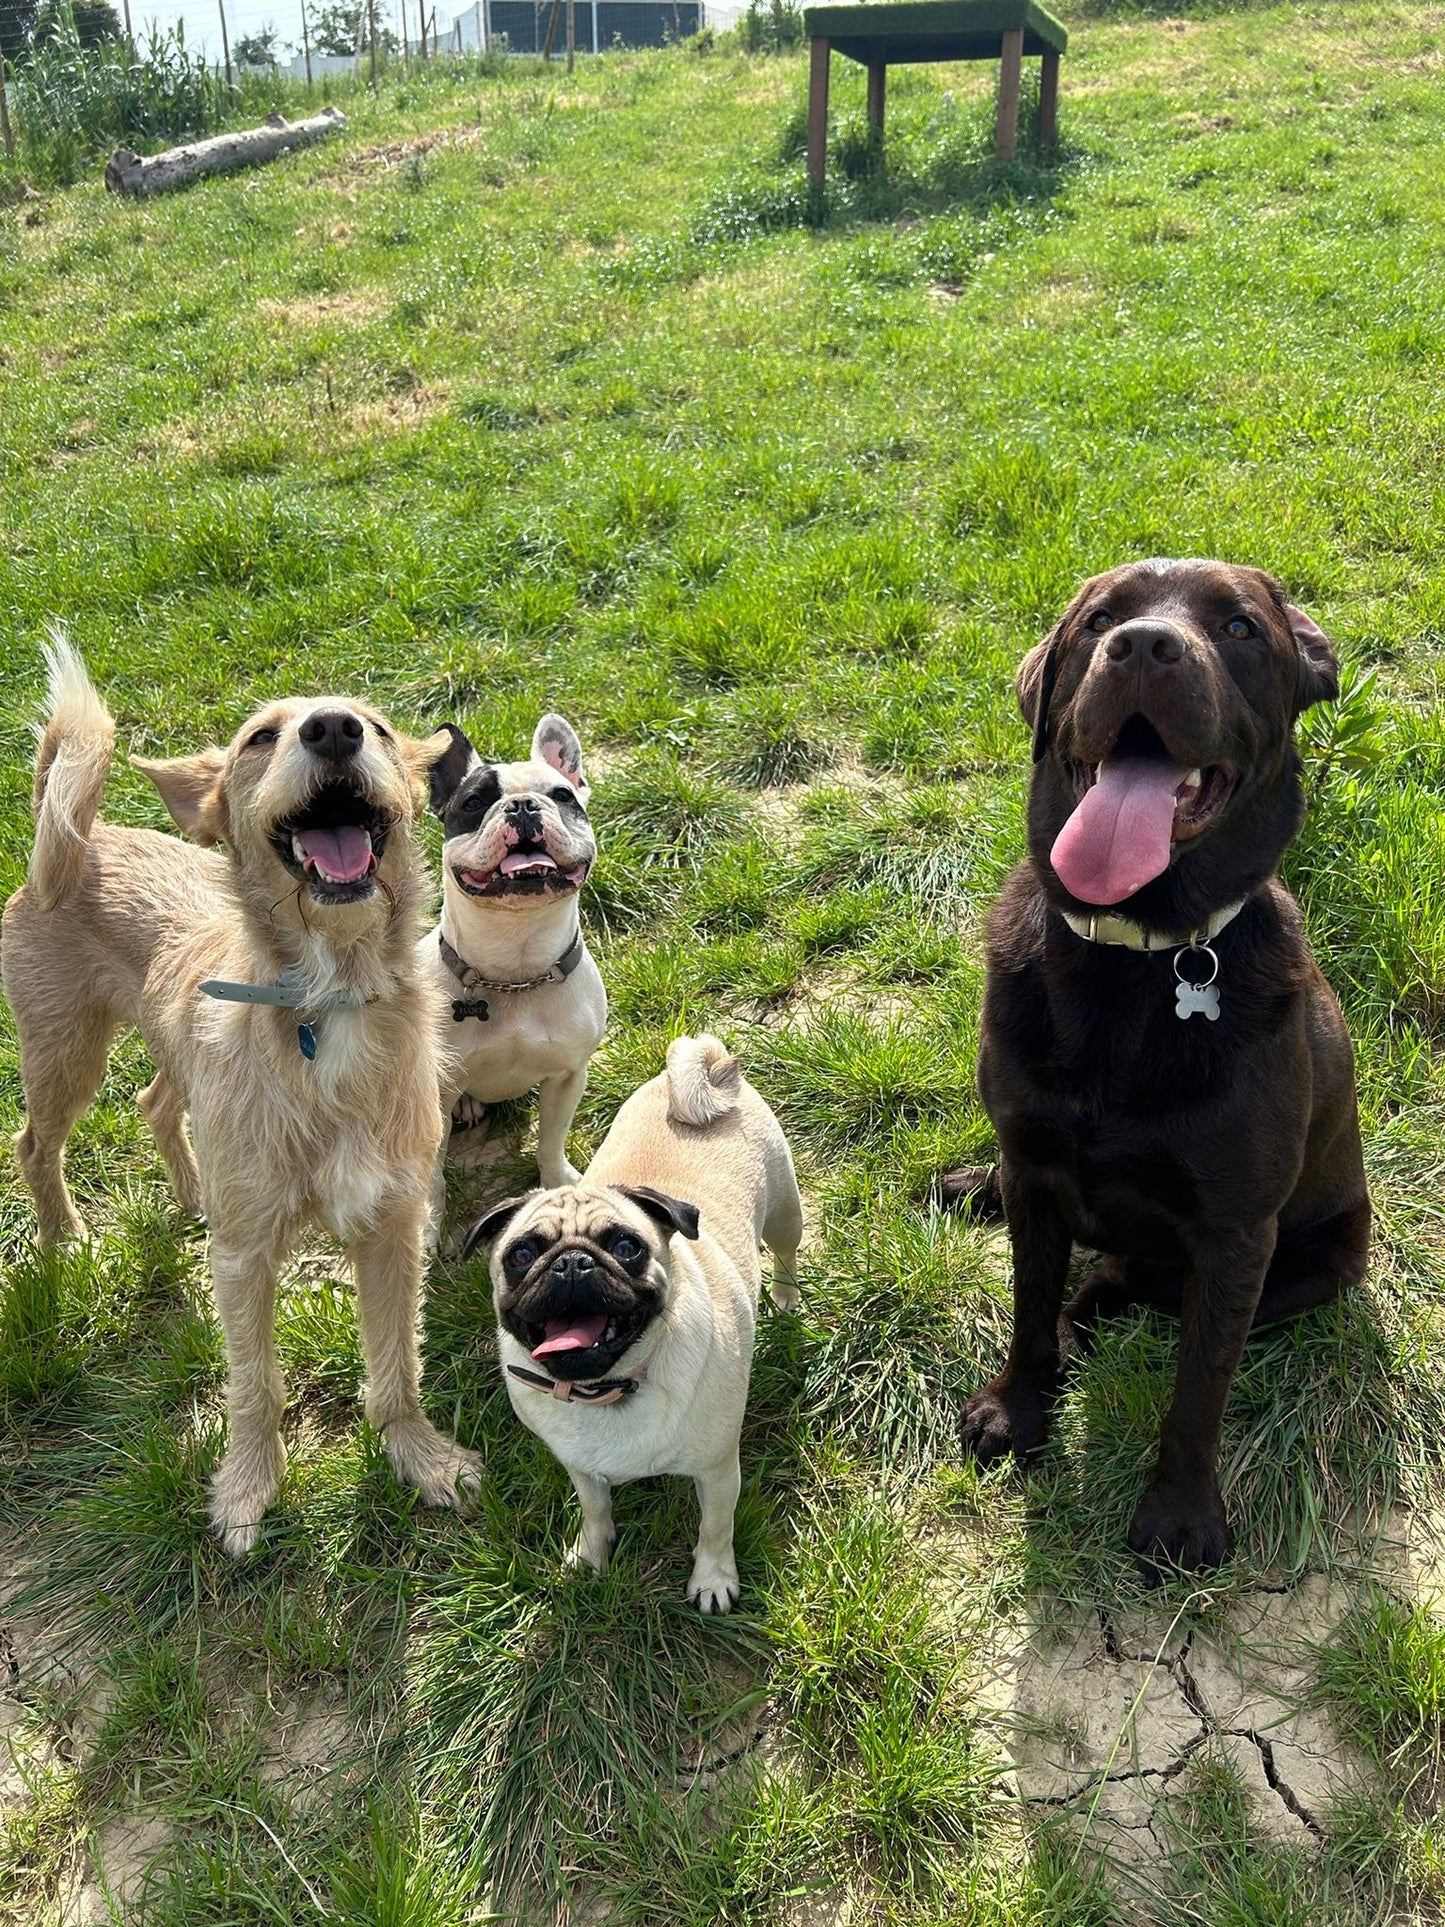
x=521 y=25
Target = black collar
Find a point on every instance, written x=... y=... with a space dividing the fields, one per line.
x=472 y=980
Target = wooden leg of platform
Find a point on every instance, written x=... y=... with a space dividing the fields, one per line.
x=1048 y=103
x=877 y=79
x=818 y=112
x=1009 y=75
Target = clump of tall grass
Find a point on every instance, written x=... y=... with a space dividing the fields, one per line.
x=71 y=102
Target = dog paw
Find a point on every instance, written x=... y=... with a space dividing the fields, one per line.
x=560 y=1173
x=467 y=1113
x=443 y=1472
x=1180 y=1530
x=784 y=1293
x=713 y=1587
x=1005 y=1418
x=242 y=1490
x=585 y=1552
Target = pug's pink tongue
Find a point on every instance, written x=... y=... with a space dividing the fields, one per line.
x=343 y=853
x=572 y=1335
x=1118 y=839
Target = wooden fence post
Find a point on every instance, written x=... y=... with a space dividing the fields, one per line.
x=5 y=128
x=226 y=45
x=1010 y=73
x=818 y=111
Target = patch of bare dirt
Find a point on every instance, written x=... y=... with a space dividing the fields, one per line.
x=317 y=311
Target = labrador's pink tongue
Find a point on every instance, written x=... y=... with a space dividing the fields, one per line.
x=578 y=1336
x=1118 y=839
x=344 y=853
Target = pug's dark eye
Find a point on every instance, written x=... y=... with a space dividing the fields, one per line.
x=1099 y=621
x=626 y=1249
x=523 y=1256
x=1238 y=626
x=260 y=737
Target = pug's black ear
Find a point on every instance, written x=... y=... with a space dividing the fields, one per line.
x=1319 y=677
x=450 y=767
x=1034 y=686
x=672 y=1212
x=486 y=1228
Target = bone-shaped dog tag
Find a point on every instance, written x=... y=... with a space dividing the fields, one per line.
x=1191 y=1000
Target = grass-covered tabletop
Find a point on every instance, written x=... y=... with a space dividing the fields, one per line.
x=888 y=32
x=525 y=394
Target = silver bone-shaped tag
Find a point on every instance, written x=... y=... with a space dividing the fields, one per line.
x=1201 y=1000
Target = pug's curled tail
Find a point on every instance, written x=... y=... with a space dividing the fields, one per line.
x=703 y=1080
x=76 y=742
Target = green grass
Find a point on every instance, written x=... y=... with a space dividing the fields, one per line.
x=526 y=393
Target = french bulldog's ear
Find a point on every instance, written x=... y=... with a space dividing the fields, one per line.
x=454 y=758
x=1319 y=678
x=1034 y=685
x=190 y=788
x=486 y=1228
x=555 y=741
x=674 y=1213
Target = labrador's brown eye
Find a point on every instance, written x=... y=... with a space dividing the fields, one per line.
x=1100 y=620
x=1239 y=626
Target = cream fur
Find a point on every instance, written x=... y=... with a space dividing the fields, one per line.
x=118 y=926
x=694 y=1359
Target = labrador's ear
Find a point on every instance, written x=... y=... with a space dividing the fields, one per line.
x=488 y=1226
x=190 y=788
x=673 y=1213
x=446 y=756
x=1319 y=676
x=1034 y=685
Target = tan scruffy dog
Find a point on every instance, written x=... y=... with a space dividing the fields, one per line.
x=277 y=989
x=626 y=1303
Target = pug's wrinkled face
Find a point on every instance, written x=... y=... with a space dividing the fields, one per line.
x=580 y=1273
x=517 y=834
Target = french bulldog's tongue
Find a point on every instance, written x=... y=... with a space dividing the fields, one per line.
x=531 y=860
x=343 y=852
x=1118 y=839
x=572 y=1334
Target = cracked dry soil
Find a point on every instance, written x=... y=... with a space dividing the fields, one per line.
x=1120 y=1720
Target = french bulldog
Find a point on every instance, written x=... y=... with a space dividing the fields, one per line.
x=525 y=1006
x=626 y=1305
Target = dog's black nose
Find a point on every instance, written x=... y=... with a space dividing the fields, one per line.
x=1145 y=642
x=573 y=1268
x=525 y=812
x=333 y=733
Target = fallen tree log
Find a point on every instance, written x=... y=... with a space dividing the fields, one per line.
x=127 y=173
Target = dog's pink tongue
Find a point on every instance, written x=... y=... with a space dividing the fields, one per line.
x=1118 y=839
x=344 y=853
x=578 y=1335
x=532 y=860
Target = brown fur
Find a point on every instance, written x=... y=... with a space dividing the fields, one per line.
x=119 y=926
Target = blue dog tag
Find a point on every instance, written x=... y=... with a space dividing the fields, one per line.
x=306 y=1038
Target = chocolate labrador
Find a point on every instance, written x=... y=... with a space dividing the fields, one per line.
x=1168 y=1072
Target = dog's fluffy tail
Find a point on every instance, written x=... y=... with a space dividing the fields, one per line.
x=703 y=1080
x=76 y=741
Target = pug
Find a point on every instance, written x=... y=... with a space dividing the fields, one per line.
x=626 y=1305
x=524 y=1002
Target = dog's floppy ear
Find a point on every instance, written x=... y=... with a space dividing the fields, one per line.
x=484 y=1231
x=1034 y=685
x=453 y=758
x=555 y=741
x=672 y=1212
x=1319 y=677
x=190 y=788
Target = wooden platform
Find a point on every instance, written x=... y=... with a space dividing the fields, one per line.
x=890 y=32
